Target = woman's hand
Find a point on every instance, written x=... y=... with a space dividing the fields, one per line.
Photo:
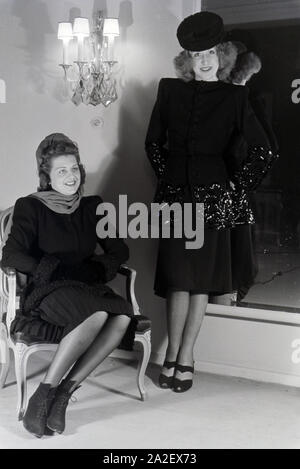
x=108 y=266
x=45 y=269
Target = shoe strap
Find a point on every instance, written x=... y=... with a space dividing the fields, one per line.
x=168 y=364
x=184 y=369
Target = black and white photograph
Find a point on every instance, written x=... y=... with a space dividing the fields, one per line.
x=149 y=227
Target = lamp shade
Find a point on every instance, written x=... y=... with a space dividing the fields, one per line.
x=111 y=27
x=64 y=31
x=81 y=27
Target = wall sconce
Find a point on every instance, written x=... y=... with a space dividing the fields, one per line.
x=91 y=79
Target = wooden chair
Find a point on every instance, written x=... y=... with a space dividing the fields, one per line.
x=24 y=346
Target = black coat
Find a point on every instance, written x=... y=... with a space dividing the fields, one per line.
x=57 y=252
x=190 y=132
x=70 y=239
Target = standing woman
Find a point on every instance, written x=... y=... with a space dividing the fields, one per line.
x=193 y=121
x=53 y=240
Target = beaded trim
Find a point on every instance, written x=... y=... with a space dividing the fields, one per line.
x=223 y=208
x=158 y=157
x=258 y=163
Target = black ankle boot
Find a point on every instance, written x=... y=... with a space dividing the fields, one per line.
x=57 y=416
x=35 y=417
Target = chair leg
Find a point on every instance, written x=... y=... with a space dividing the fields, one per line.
x=21 y=358
x=4 y=355
x=145 y=340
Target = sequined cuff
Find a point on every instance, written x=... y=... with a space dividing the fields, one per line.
x=158 y=157
x=255 y=168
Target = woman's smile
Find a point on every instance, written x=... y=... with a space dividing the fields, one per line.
x=205 y=64
x=65 y=174
x=71 y=184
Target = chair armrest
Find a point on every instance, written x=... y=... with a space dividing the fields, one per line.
x=130 y=275
x=126 y=270
x=8 y=290
x=9 y=270
x=5 y=274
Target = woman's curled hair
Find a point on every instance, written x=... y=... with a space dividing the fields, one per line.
x=227 y=53
x=48 y=153
x=246 y=65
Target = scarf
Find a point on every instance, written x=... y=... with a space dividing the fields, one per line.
x=59 y=203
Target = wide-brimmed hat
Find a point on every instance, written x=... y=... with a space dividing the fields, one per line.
x=200 y=31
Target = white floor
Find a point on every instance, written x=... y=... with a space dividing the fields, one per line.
x=218 y=412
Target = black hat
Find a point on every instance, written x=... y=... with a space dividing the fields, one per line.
x=200 y=31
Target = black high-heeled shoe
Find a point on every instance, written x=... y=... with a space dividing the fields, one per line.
x=182 y=385
x=164 y=381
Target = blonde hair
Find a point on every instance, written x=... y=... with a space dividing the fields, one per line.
x=246 y=65
x=227 y=54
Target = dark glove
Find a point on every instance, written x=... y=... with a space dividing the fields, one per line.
x=99 y=268
x=107 y=266
x=256 y=166
x=45 y=270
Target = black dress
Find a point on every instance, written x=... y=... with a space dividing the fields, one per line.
x=66 y=278
x=198 y=121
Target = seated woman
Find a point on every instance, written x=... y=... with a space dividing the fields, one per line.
x=53 y=240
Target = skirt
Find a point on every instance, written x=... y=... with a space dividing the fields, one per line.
x=64 y=309
x=225 y=263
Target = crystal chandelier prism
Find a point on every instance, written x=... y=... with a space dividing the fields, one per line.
x=91 y=78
